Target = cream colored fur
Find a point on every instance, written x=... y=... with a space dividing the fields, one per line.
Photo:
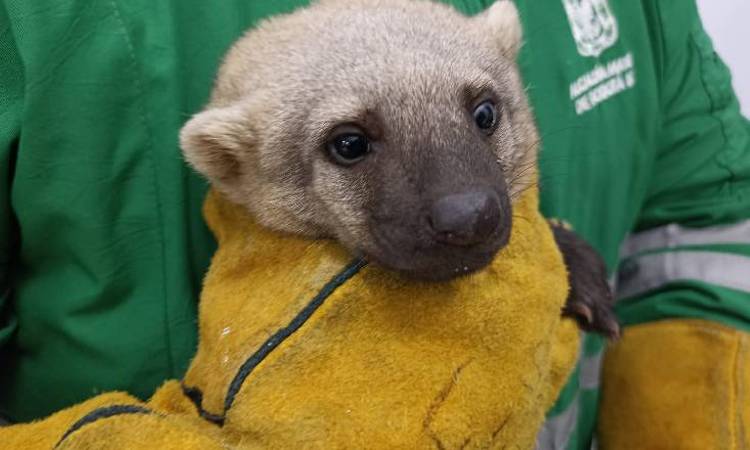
x=287 y=82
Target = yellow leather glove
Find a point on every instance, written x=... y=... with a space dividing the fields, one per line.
x=677 y=384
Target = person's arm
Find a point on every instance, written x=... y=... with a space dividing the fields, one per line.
x=11 y=100
x=676 y=378
x=691 y=251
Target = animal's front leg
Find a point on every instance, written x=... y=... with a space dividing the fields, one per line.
x=590 y=299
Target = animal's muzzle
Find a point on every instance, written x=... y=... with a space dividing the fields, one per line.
x=466 y=219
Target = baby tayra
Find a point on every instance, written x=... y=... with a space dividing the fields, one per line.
x=392 y=127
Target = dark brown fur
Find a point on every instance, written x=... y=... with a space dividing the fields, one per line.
x=590 y=299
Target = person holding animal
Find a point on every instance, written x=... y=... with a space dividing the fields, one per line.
x=641 y=134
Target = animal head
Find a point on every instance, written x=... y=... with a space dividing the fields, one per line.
x=398 y=127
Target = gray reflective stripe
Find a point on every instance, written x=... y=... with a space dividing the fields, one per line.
x=556 y=431
x=645 y=273
x=589 y=375
x=612 y=282
x=674 y=235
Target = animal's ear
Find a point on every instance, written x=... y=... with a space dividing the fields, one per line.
x=502 y=18
x=213 y=140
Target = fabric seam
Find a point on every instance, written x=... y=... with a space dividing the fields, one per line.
x=269 y=345
x=138 y=81
x=712 y=102
x=281 y=335
x=104 y=412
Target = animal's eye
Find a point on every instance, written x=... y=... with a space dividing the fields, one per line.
x=349 y=148
x=485 y=115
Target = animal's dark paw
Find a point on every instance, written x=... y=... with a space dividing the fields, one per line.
x=590 y=300
x=593 y=313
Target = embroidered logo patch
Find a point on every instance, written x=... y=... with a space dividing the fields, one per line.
x=593 y=24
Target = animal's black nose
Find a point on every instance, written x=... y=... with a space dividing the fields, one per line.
x=465 y=219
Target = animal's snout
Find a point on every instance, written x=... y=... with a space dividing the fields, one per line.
x=465 y=219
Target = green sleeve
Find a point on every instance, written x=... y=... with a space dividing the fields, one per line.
x=702 y=172
x=690 y=255
x=11 y=100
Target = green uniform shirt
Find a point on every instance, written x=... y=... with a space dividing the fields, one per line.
x=102 y=243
